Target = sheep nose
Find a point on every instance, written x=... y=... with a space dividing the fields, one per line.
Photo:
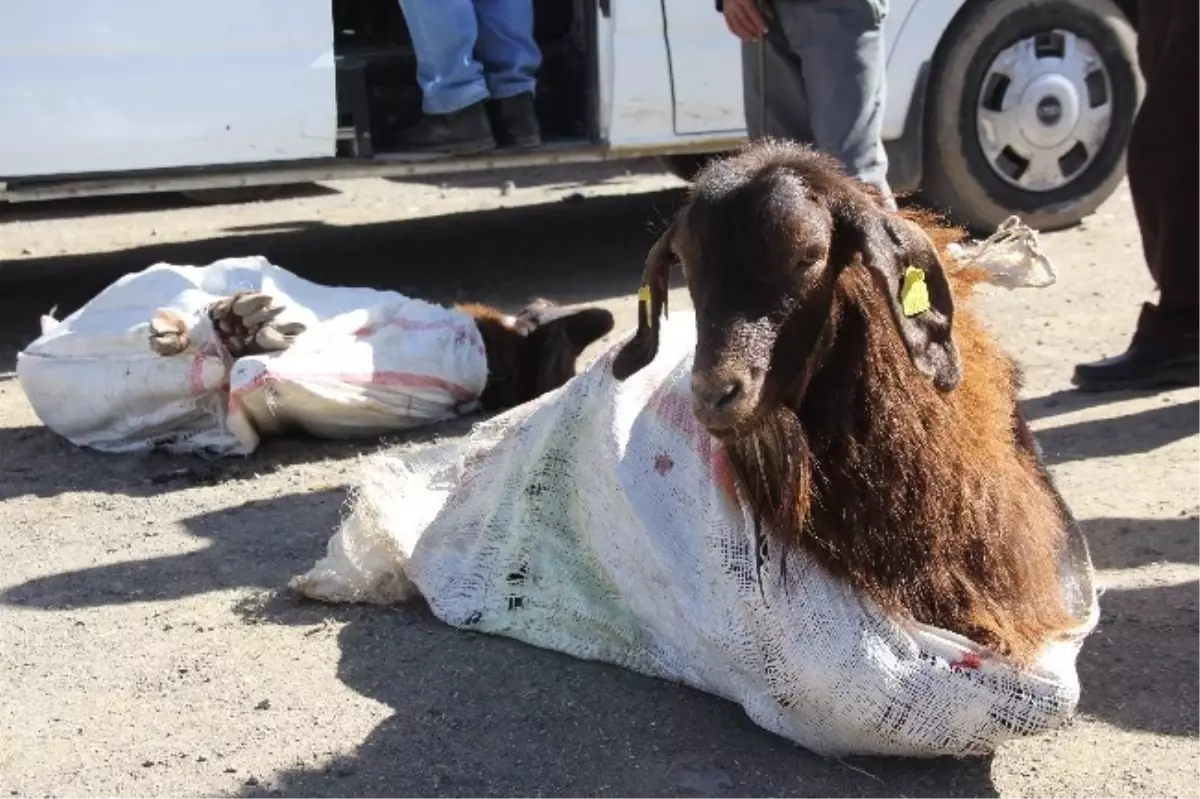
x=717 y=395
x=720 y=399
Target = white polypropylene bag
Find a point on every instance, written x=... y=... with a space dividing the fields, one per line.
x=369 y=362
x=602 y=522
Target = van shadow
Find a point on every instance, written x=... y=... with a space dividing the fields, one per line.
x=570 y=252
x=477 y=715
x=142 y=203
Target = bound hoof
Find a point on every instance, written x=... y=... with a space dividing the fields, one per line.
x=168 y=332
x=245 y=324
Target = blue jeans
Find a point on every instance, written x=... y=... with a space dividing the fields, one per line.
x=470 y=50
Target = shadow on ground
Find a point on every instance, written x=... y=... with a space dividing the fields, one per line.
x=137 y=204
x=560 y=176
x=486 y=716
x=1130 y=543
x=572 y=252
x=1139 y=668
x=254 y=545
x=1128 y=434
x=32 y=458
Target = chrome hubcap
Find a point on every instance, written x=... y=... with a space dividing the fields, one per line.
x=1044 y=110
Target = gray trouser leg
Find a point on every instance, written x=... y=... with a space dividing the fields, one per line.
x=786 y=102
x=826 y=81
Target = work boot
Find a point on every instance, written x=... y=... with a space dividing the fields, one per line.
x=460 y=132
x=1142 y=366
x=515 y=122
x=1165 y=352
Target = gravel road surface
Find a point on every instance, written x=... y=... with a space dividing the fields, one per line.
x=148 y=645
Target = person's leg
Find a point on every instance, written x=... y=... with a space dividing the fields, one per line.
x=452 y=81
x=506 y=47
x=443 y=36
x=1162 y=167
x=842 y=59
x=510 y=59
x=1165 y=172
x=786 y=104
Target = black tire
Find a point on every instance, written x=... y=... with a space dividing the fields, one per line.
x=958 y=179
x=685 y=166
x=232 y=195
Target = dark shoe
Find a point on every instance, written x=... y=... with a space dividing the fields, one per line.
x=1142 y=366
x=460 y=132
x=515 y=122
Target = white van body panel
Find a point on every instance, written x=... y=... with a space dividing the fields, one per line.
x=635 y=76
x=916 y=37
x=135 y=86
x=706 y=69
x=705 y=61
x=144 y=84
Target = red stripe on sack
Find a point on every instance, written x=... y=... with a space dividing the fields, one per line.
x=391 y=379
x=196 y=376
x=410 y=325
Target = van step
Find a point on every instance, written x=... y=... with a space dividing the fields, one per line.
x=557 y=151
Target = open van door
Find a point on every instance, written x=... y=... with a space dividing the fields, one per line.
x=119 y=85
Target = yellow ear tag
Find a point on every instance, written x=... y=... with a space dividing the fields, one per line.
x=644 y=302
x=914 y=292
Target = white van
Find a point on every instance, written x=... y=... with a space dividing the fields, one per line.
x=994 y=106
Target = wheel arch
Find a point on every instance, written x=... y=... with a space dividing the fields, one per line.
x=977 y=201
x=920 y=42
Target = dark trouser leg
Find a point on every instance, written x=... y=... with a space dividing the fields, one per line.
x=453 y=86
x=840 y=48
x=1162 y=168
x=786 y=103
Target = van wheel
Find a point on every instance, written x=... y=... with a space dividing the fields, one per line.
x=1031 y=106
x=685 y=166
x=232 y=195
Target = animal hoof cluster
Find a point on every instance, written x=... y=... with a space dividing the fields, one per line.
x=246 y=324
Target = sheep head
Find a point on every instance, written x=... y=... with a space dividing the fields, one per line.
x=763 y=240
x=535 y=351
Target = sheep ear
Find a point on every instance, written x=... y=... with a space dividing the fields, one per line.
x=559 y=336
x=905 y=263
x=652 y=303
x=581 y=327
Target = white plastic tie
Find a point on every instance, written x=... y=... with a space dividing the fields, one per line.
x=1012 y=257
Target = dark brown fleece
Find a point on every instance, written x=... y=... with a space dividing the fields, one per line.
x=889 y=447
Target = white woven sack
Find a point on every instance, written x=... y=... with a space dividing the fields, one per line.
x=369 y=362
x=600 y=521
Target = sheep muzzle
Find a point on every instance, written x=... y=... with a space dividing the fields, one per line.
x=729 y=373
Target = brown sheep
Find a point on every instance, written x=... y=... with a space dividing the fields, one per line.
x=534 y=352
x=884 y=440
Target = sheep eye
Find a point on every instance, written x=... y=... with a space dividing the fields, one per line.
x=808 y=257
